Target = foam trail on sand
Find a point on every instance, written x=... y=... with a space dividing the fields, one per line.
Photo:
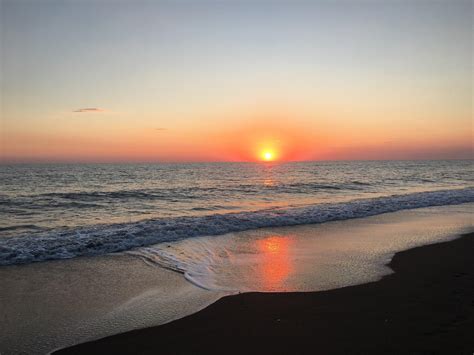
x=310 y=257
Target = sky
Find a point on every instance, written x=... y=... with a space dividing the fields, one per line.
x=113 y=81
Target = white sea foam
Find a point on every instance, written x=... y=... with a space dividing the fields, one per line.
x=308 y=257
x=109 y=238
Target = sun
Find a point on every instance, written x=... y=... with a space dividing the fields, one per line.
x=268 y=155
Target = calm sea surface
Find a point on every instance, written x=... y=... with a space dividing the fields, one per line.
x=60 y=211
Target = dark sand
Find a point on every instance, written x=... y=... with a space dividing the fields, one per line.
x=426 y=306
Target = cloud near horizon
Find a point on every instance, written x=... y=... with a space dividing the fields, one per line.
x=89 y=110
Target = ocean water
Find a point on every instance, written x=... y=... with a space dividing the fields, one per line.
x=58 y=211
x=169 y=239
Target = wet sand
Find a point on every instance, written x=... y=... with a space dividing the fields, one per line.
x=426 y=306
x=55 y=304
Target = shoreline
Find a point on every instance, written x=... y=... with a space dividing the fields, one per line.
x=425 y=306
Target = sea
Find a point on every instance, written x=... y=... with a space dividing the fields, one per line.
x=92 y=250
x=60 y=211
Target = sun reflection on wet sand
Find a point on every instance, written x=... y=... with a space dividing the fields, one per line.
x=276 y=264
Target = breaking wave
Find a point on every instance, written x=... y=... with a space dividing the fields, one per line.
x=111 y=238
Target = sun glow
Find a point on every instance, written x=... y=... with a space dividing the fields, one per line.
x=268 y=155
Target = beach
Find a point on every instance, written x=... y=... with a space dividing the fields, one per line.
x=425 y=307
x=236 y=177
x=331 y=284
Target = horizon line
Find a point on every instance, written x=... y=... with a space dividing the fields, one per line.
x=45 y=162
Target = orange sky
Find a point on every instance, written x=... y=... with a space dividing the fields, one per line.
x=288 y=138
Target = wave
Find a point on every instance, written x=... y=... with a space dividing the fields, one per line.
x=110 y=238
x=174 y=193
x=21 y=226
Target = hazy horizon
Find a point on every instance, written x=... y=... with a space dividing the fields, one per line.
x=171 y=162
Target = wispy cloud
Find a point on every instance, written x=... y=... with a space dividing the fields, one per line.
x=89 y=110
x=161 y=129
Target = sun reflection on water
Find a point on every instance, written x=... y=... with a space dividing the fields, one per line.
x=269 y=182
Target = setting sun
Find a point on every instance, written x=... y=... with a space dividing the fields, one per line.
x=268 y=155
